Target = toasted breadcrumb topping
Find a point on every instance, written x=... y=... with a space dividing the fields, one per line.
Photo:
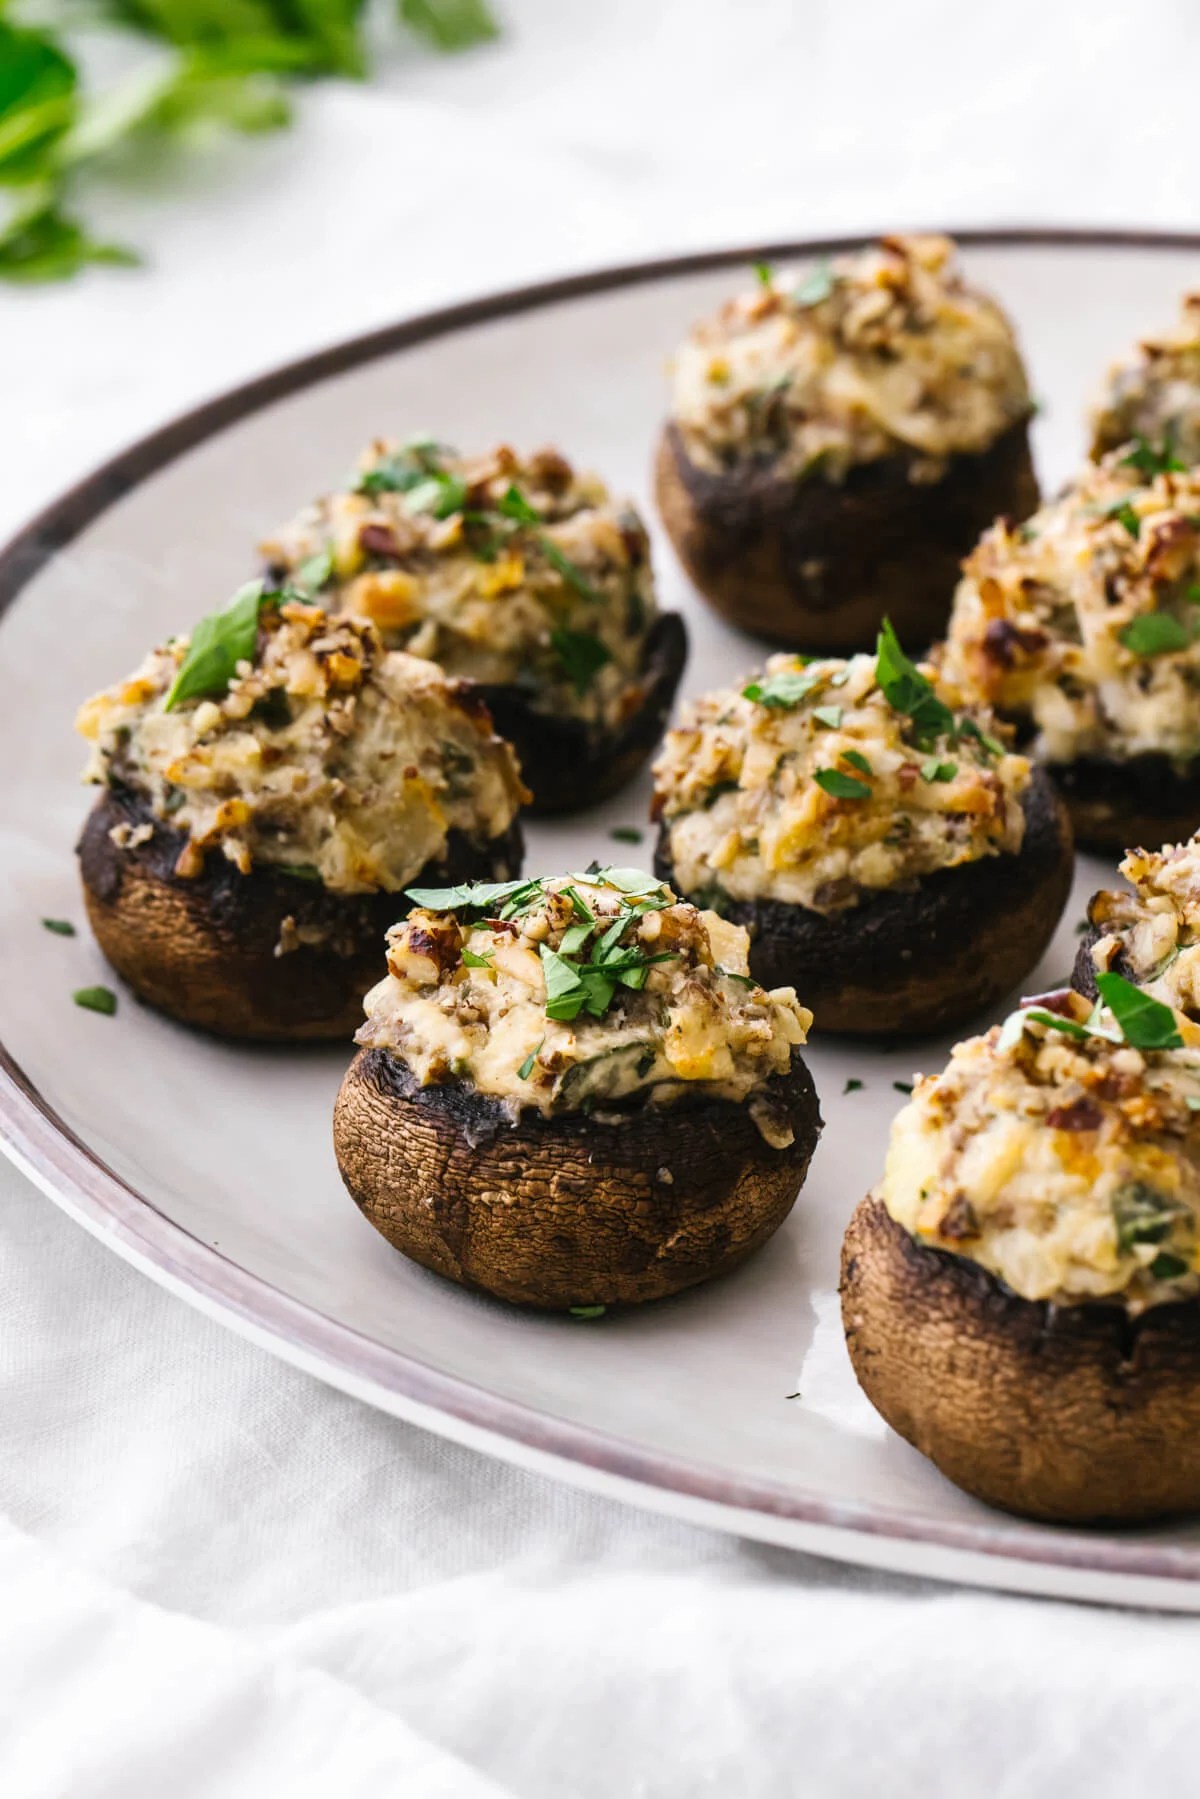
x=1068 y=1167
x=1154 y=392
x=1083 y=624
x=1152 y=933
x=578 y=992
x=551 y=590
x=823 y=800
x=888 y=350
x=327 y=756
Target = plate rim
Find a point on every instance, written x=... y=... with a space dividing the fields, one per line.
x=70 y=1172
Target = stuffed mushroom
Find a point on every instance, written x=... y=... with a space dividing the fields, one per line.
x=837 y=442
x=1082 y=628
x=888 y=853
x=520 y=574
x=570 y=1092
x=270 y=785
x=1020 y=1293
x=1149 y=932
x=1151 y=399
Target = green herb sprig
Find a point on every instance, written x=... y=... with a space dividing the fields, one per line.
x=218 y=643
x=1136 y=1019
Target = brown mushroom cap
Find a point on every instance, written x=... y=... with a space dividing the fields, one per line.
x=920 y=960
x=570 y=764
x=1144 y=799
x=567 y=1210
x=1074 y=1414
x=818 y=564
x=204 y=950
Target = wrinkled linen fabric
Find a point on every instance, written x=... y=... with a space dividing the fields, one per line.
x=218 y=1576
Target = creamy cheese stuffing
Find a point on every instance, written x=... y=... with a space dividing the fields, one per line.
x=1154 y=392
x=1068 y=1167
x=1152 y=933
x=819 y=791
x=326 y=755
x=573 y=993
x=884 y=351
x=1083 y=624
x=502 y=569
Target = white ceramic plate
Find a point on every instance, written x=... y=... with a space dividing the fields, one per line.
x=211 y=1167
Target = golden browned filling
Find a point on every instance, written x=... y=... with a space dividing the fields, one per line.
x=1152 y=933
x=817 y=783
x=278 y=734
x=1153 y=394
x=508 y=570
x=1061 y=1152
x=576 y=992
x=1083 y=624
x=864 y=356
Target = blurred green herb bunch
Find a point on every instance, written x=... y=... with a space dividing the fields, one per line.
x=224 y=63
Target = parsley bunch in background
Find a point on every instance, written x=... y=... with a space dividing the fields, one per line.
x=229 y=63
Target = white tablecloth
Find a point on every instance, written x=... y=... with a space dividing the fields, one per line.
x=218 y=1577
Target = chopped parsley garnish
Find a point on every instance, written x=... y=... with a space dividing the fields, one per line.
x=96 y=999
x=475 y=896
x=784 y=690
x=1125 y=514
x=417 y=460
x=817 y=285
x=857 y=760
x=852 y=1086
x=587 y=1311
x=967 y=727
x=440 y=495
x=1155 y=634
x=902 y=1086
x=1141 y=1214
x=312 y=574
x=829 y=716
x=841 y=786
x=526 y=1068
x=581 y=655
x=1166 y=1267
x=472 y=960
x=742 y=980
x=764 y=274
x=1145 y=1022
x=907 y=691
x=515 y=506
x=933 y=770
x=218 y=644
x=299 y=871
x=1150 y=460
x=626 y=834
x=62 y=927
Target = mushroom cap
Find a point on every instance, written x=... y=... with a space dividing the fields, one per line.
x=1144 y=799
x=568 y=1209
x=816 y=564
x=204 y=949
x=917 y=960
x=569 y=763
x=1073 y=1414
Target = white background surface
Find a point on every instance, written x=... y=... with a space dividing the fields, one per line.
x=219 y=1577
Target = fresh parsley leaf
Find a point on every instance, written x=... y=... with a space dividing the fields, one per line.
x=62 y=927
x=574 y=938
x=570 y=571
x=907 y=691
x=817 y=285
x=903 y=1086
x=1145 y=1022
x=476 y=896
x=626 y=834
x=829 y=716
x=526 y=1068
x=741 y=980
x=1141 y=1214
x=515 y=506
x=587 y=1311
x=218 y=643
x=581 y=656
x=566 y=990
x=764 y=274
x=472 y=960
x=96 y=999
x=450 y=25
x=299 y=871
x=440 y=495
x=857 y=760
x=852 y=1086
x=967 y=727
x=1166 y=1267
x=312 y=574
x=1155 y=634
x=785 y=690
x=933 y=770
x=1150 y=459
x=45 y=244
x=841 y=786
x=1125 y=514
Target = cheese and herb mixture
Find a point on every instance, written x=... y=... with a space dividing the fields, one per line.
x=1154 y=393
x=866 y=356
x=507 y=571
x=1083 y=624
x=579 y=991
x=277 y=734
x=819 y=782
x=1152 y=934
x=1061 y=1152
